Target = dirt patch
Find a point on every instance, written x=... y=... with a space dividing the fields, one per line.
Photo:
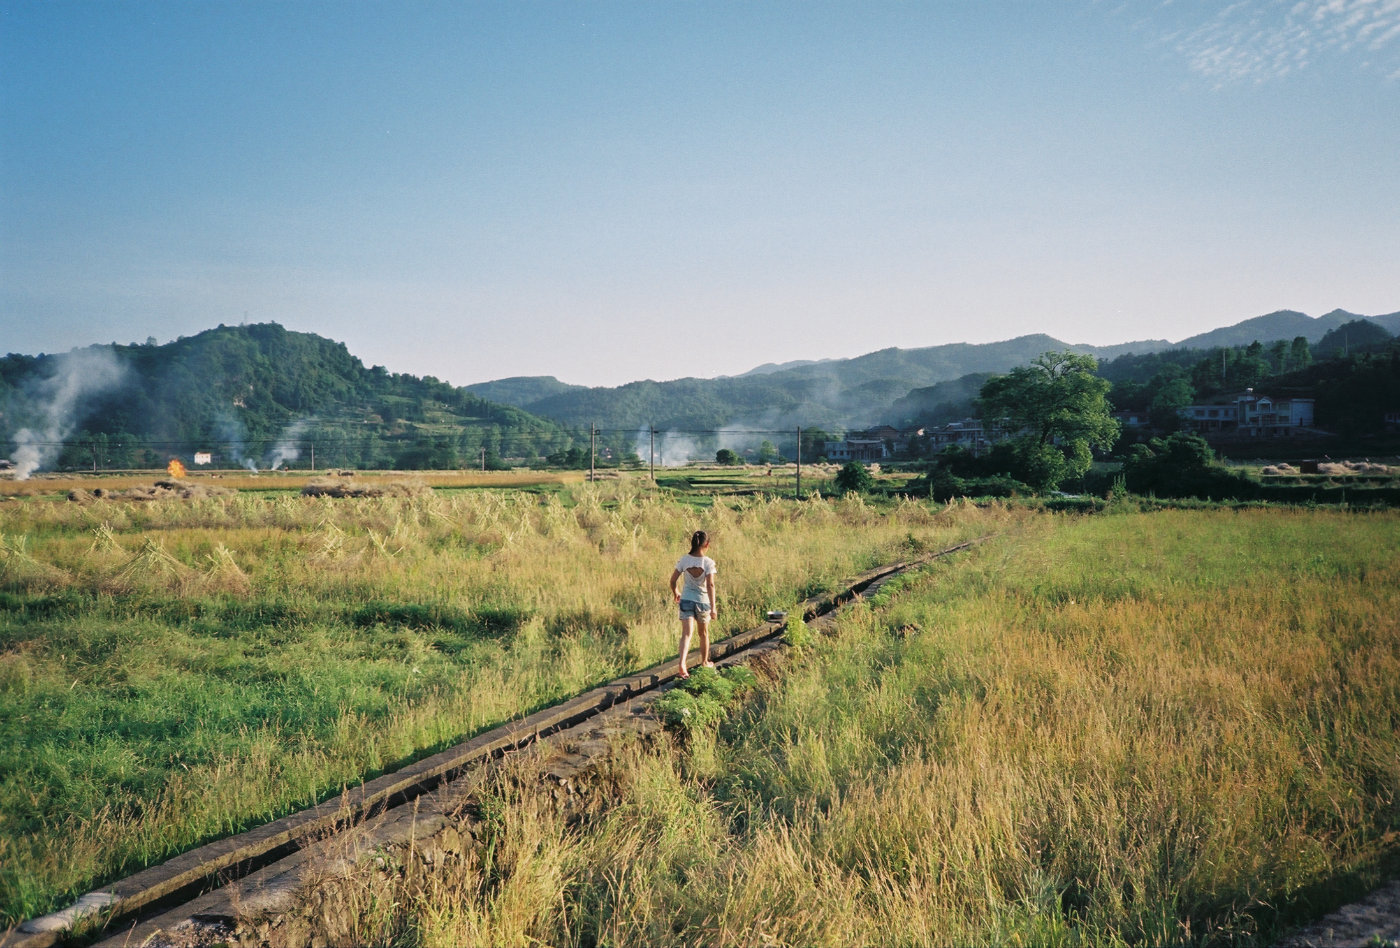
x=160 y=490
x=362 y=489
x=1374 y=922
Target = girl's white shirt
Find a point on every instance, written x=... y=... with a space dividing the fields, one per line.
x=693 y=586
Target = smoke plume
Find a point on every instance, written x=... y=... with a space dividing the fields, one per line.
x=233 y=436
x=55 y=403
x=288 y=448
x=673 y=448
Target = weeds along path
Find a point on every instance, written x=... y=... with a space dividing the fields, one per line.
x=256 y=872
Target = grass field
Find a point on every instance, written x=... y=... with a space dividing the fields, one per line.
x=1168 y=728
x=175 y=670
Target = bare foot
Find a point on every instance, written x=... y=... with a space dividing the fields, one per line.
x=682 y=674
x=709 y=665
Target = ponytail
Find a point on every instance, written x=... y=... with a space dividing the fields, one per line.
x=698 y=539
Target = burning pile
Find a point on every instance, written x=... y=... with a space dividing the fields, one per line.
x=175 y=468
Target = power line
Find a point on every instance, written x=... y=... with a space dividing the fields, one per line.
x=330 y=440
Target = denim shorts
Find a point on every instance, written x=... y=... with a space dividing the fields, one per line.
x=691 y=609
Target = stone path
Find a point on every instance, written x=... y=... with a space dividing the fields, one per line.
x=1374 y=922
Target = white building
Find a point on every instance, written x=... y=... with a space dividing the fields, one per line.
x=1252 y=416
x=855 y=449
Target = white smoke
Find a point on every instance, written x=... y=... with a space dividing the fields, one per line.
x=288 y=447
x=56 y=401
x=673 y=448
x=232 y=434
x=744 y=441
x=285 y=450
x=678 y=448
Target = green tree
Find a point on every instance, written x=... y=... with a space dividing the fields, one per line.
x=726 y=456
x=1173 y=395
x=1299 y=353
x=767 y=453
x=814 y=443
x=1182 y=465
x=1059 y=412
x=854 y=476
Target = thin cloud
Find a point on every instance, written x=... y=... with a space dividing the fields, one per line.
x=1267 y=40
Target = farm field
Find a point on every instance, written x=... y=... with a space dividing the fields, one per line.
x=174 y=670
x=1168 y=728
x=1138 y=726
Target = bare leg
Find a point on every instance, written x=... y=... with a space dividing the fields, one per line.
x=685 y=645
x=704 y=627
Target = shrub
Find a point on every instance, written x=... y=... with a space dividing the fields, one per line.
x=853 y=476
x=943 y=485
x=797 y=634
x=1183 y=465
x=700 y=700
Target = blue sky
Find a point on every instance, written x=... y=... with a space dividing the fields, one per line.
x=612 y=191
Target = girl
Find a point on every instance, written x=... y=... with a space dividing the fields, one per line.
x=698 y=603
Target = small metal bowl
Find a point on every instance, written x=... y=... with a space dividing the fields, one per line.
x=776 y=616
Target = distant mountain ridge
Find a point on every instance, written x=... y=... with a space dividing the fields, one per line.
x=880 y=386
x=1284 y=324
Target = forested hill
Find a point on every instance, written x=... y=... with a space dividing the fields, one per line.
x=254 y=396
x=835 y=393
x=935 y=384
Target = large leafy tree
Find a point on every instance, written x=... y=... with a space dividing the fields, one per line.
x=1057 y=410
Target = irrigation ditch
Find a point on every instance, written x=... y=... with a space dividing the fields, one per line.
x=277 y=884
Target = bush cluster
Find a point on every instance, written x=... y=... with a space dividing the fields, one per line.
x=700 y=701
x=1183 y=465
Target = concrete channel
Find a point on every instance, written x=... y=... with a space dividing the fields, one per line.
x=259 y=887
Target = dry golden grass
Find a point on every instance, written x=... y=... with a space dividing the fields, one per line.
x=1147 y=729
x=49 y=484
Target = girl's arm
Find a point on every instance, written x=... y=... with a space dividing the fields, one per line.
x=714 y=601
x=676 y=593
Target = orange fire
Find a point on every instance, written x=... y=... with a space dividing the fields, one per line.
x=175 y=468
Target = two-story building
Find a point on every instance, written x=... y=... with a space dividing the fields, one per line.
x=856 y=449
x=1251 y=415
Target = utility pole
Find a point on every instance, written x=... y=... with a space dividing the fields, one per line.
x=653 y=454
x=313 y=455
x=799 y=462
x=483 y=458
x=592 y=452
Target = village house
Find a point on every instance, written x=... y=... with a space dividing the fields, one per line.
x=877 y=444
x=1251 y=415
x=969 y=434
x=856 y=449
x=886 y=433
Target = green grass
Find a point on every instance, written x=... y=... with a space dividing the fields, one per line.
x=174 y=671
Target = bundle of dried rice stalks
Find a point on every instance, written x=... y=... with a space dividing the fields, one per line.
x=153 y=566
x=224 y=573
x=160 y=490
x=1343 y=468
x=20 y=570
x=343 y=489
